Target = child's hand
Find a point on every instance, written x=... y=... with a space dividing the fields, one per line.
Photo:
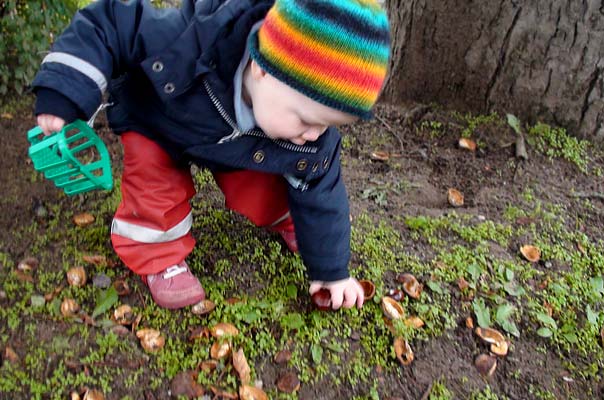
x=50 y=123
x=345 y=292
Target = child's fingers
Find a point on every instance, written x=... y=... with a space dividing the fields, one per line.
x=314 y=287
x=337 y=298
x=50 y=123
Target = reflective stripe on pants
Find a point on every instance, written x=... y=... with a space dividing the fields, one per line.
x=151 y=228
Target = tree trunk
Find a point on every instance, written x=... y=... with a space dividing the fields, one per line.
x=538 y=59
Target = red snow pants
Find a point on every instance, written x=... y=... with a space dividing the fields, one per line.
x=151 y=229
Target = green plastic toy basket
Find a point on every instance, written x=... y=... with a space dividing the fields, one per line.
x=75 y=158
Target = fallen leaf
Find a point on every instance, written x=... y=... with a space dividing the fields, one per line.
x=392 y=308
x=201 y=332
x=379 y=155
x=24 y=277
x=531 y=253
x=241 y=366
x=95 y=259
x=251 y=393
x=220 y=349
x=151 y=339
x=28 y=264
x=76 y=276
x=208 y=366
x=368 y=288
x=283 y=356
x=410 y=285
x=288 y=382
x=455 y=197
x=403 y=351
x=467 y=144
x=414 y=322
x=69 y=307
x=121 y=286
x=485 y=364
x=224 y=329
x=83 y=219
x=184 y=384
x=469 y=323
x=7 y=116
x=93 y=394
x=11 y=355
x=462 y=284
x=223 y=393
x=203 y=307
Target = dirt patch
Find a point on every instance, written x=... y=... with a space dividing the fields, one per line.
x=424 y=162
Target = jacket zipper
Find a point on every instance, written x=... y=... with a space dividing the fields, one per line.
x=252 y=132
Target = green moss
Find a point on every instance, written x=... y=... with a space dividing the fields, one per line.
x=555 y=142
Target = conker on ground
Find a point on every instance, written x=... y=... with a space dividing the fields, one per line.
x=322 y=299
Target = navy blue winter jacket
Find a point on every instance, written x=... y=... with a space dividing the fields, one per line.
x=169 y=74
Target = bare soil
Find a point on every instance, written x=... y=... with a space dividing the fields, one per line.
x=422 y=166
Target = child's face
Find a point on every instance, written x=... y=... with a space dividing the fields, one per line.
x=284 y=113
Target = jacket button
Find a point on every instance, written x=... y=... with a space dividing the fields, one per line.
x=169 y=88
x=301 y=165
x=326 y=163
x=258 y=156
x=157 y=66
x=315 y=167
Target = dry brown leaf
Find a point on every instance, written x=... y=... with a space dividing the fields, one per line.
x=283 y=356
x=414 y=322
x=223 y=393
x=498 y=343
x=28 y=264
x=201 y=332
x=208 y=366
x=251 y=393
x=485 y=364
x=469 y=323
x=224 y=329
x=92 y=394
x=531 y=253
x=241 y=366
x=410 y=285
x=185 y=384
x=7 y=116
x=288 y=382
x=467 y=144
x=121 y=287
x=203 y=307
x=403 y=351
x=151 y=339
x=462 y=284
x=11 y=355
x=392 y=308
x=69 y=307
x=76 y=276
x=368 y=288
x=455 y=197
x=95 y=259
x=83 y=219
x=123 y=315
x=379 y=155
x=220 y=349
x=24 y=276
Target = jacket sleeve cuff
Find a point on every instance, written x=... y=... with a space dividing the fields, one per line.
x=49 y=101
x=327 y=270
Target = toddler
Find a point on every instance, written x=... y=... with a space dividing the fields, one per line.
x=251 y=90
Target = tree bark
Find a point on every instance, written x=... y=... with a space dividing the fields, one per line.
x=538 y=59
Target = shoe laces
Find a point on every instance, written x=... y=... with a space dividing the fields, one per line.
x=174 y=270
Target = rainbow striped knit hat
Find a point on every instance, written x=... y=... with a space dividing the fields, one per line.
x=333 y=51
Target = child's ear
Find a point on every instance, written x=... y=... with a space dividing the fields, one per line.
x=257 y=71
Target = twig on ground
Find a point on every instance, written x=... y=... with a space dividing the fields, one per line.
x=521 y=147
x=427 y=392
x=599 y=196
x=392 y=131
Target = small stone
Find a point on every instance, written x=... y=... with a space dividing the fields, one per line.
x=101 y=281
